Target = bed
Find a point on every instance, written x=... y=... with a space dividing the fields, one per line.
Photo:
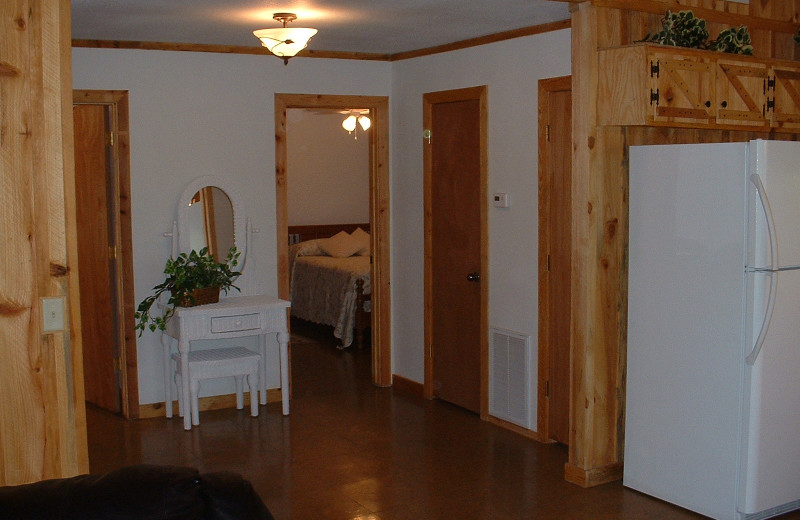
x=329 y=278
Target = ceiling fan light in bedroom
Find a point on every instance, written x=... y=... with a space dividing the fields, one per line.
x=285 y=42
x=349 y=123
x=356 y=117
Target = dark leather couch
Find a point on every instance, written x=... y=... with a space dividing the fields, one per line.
x=142 y=492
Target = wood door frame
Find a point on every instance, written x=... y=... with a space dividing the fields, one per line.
x=117 y=101
x=378 y=210
x=429 y=99
x=543 y=404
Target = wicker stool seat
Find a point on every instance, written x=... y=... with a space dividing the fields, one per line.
x=214 y=363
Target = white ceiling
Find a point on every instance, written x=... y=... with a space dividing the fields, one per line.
x=368 y=26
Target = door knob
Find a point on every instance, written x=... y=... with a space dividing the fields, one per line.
x=474 y=277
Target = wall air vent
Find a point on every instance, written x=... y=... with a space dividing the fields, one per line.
x=510 y=382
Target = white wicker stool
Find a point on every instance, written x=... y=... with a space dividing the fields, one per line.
x=219 y=362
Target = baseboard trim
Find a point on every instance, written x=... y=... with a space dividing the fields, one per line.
x=530 y=434
x=213 y=402
x=593 y=476
x=401 y=384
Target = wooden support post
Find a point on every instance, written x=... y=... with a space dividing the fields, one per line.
x=598 y=273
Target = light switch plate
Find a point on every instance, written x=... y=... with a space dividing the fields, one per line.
x=52 y=314
x=501 y=200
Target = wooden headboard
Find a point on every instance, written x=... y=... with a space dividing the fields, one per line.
x=303 y=233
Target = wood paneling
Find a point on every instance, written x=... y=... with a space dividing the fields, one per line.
x=42 y=419
x=600 y=189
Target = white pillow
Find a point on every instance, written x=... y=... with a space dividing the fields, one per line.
x=362 y=237
x=340 y=245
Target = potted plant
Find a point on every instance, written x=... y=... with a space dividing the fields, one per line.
x=684 y=29
x=735 y=40
x=193 y=278
x=681 y=29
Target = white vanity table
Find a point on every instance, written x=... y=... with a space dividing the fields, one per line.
x=233 y=317
x=218 y=224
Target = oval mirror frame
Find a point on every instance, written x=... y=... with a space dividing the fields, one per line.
x=239 y=219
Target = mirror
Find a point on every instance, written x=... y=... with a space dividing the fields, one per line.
x=211 y=221
x=210 y=215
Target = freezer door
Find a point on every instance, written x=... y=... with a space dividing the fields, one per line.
x=686 y=323
x=777 y=163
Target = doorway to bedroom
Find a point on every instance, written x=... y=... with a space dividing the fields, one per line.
x=371 y=212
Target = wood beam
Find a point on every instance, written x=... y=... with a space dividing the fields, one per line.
x=710 y=15
x=599 y=236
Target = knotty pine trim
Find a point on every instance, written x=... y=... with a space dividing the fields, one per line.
x=483 y=40
x=311 y=53
x=213 y=402
x=223 y=49
x=593 y=477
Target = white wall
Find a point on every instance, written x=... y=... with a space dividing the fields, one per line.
x=511 y=70
x=327 y=171
x=194 y=114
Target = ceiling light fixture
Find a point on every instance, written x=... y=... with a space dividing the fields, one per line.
x=356 y=116
x=285 y=42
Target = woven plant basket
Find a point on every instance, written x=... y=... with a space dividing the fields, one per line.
x=201 y=297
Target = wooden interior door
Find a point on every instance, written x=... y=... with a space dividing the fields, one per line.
x=555 y=252
x=456 y=198
x=97 y=256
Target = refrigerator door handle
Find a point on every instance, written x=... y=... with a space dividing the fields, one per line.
x=773 y=245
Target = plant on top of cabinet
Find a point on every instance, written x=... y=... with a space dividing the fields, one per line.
x=735 y=40
x=681 y=29
x=684 y=29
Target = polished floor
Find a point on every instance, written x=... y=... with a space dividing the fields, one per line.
x=353 y=451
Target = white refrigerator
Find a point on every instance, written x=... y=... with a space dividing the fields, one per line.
x=712 y=418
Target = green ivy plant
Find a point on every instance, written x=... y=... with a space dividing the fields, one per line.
x=681 y=29
x=187 y=272
x=684 y=29
x=735 y=40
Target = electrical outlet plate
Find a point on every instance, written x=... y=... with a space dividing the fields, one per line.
x=52 y=314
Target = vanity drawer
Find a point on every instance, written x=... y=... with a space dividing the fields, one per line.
x=235 y=323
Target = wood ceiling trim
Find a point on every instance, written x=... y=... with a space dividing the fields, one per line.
x=310 y=53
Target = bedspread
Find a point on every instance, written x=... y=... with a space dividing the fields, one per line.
x=323 y=291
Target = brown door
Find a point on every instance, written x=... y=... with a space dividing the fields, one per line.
x=555 y=265
x=96 y=256
x=455 y=200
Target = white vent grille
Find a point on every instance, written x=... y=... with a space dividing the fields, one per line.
x=510 y=385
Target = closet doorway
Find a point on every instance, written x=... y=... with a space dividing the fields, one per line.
x=555 y=257
x=378 y=107
x=105 y=245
